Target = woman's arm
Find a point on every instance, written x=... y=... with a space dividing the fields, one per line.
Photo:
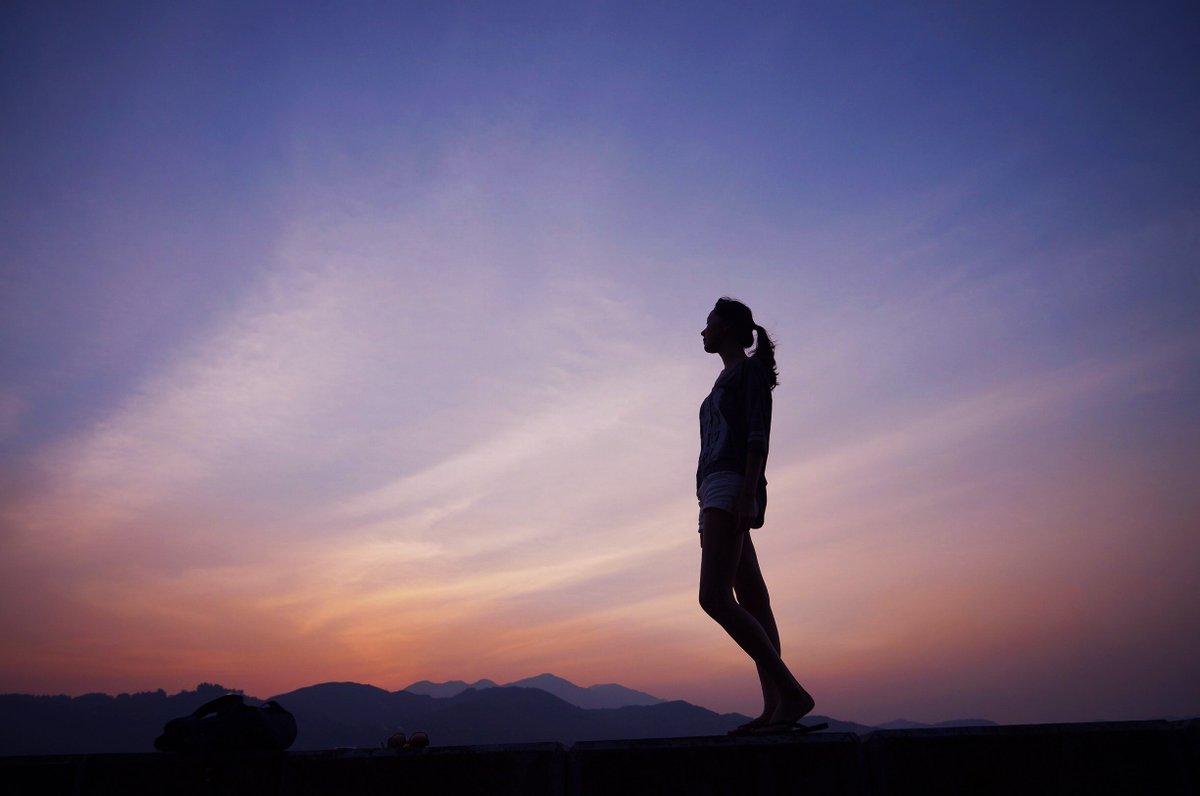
x=754 y=468
x=758 y=413
x=747 y=501
x=758 y=424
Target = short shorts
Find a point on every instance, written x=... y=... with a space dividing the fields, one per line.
x=719 y=490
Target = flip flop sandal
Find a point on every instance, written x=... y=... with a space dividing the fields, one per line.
x=745 y=729
x=788 y=728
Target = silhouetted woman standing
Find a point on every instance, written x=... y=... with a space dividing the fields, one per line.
x=731 y=486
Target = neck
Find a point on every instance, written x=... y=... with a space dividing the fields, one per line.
x=731 y=358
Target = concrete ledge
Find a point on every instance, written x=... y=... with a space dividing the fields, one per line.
x=537 y=768
x=1102 y=757
x=1159 y=757
x=496 y=768
x=822 y=763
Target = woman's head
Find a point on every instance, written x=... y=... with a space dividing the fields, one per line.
x=732 y=320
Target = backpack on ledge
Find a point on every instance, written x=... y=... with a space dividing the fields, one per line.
x=228 y=724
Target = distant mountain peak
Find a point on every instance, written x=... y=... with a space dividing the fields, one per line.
x=447 y=689
x=546 y=677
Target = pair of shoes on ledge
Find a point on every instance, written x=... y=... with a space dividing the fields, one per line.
x=397 y=740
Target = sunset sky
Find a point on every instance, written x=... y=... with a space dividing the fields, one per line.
x=362 y=342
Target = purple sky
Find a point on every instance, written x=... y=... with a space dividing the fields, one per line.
x=364 y=344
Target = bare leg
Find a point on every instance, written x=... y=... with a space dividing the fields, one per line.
x=722 y=550
x=752 y=595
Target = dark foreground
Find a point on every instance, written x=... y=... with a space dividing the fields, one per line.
x=1153 y=757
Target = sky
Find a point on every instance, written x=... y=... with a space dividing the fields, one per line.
x=361 y=342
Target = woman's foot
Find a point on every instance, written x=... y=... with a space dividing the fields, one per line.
x=792 y=707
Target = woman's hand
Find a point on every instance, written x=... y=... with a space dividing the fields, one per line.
x=745 y=510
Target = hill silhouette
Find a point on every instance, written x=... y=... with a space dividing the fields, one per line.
x=447 y=689
x=906 y=724
x=603 y=695
x=349 y=714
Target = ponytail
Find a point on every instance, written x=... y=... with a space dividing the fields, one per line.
x=764 y=352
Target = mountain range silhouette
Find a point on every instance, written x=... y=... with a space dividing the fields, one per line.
x=544 y=707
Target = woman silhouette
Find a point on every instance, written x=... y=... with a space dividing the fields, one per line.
x=731 y=487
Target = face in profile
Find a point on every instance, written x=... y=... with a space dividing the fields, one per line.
x=713 y=333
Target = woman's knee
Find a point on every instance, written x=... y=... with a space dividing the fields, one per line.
x=751 y=591
x=716 y=601
x=755 y=603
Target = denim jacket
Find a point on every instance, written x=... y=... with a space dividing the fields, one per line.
x=735 y=419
